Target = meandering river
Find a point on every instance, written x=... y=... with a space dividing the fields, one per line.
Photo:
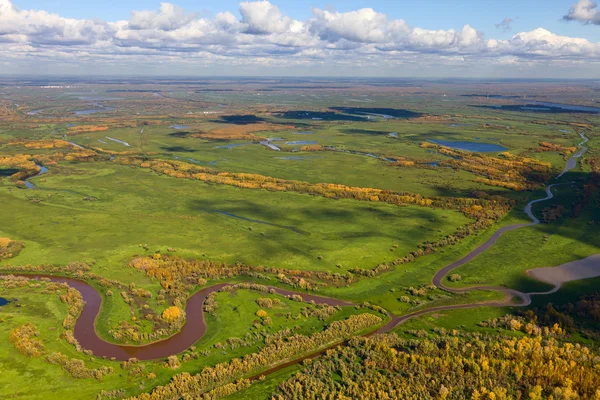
x=195 y=327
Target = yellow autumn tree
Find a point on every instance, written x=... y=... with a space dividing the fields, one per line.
x=172 y=314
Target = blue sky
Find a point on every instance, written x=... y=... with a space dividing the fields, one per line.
x=551 y=38
x=427 y=14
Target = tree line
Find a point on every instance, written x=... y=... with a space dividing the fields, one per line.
x=483 y=367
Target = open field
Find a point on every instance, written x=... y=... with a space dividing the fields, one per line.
x=353 y=191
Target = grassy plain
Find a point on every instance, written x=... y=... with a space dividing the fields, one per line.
x=103 y=213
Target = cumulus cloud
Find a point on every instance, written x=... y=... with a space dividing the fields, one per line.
x=45 y=28
x=168 y=17
x=264 y=36
x=262 y=17
x=541 y=42
x=585 y=11
x=364 y=25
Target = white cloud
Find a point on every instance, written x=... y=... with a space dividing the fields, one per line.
x=364 y=25
x=264 y=36
x=585 y=11
x=541 y=42
x=44 y=28
x=168 y=17
x=262 y=17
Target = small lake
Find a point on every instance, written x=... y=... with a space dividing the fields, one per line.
x=179 y=127
x=570 y=107
x=470 y=146
x=301 y=142
x=98 y=98
x=230 y=146
x=93 y=111
x=3 y=301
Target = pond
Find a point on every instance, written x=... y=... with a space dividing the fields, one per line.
x=543 y=107
x=230 y=146
x=570 y=107
x=320 y=115
x=93 y=111
x=3 y=301
x=179 y=127
x=301 y=142
x=98 y=98
x=304 y=133
x=470 y=146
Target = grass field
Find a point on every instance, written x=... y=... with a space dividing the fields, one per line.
x=233 y=319
x=104 y=214
x=138 y=207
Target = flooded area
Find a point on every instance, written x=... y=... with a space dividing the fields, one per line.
x=300 y=142
x=230 y=146
x=99 y=108
x=570 y=107
x=470 y=146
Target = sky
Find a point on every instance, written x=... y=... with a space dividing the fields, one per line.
x=428 y=38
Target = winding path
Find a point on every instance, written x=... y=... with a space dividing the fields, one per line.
x=195 y=326
x=525 y=297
